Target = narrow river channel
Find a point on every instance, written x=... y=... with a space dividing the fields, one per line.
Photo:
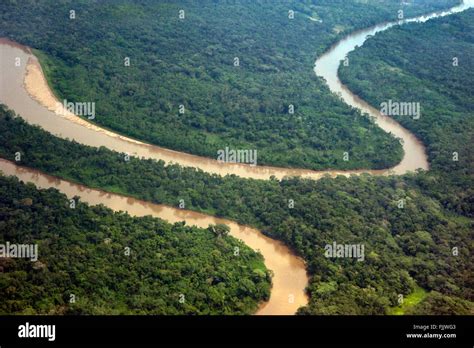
x=24 y=90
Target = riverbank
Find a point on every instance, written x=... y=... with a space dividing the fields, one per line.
x=100 y=141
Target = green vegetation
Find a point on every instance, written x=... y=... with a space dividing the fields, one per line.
x=410 y=301
x=82 y=251
x=442 y=305
x=406 y=249
x=414 y=63
x=432 y=64
x=403 y=247
x=190 y=62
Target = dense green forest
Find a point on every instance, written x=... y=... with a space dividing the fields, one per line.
x=408 y=249
x=82 y=252
x=190 y=61
x=432 y=64
x=404 y=248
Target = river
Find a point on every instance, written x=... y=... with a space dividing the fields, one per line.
x=289 y=272
x=24 y=89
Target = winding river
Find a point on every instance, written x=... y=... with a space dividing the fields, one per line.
x=24 y=89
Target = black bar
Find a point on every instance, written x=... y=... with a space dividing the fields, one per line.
x=244 y=330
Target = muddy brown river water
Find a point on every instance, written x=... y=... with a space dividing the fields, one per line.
x=24 y=89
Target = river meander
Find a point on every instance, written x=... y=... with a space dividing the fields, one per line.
x=24 y=89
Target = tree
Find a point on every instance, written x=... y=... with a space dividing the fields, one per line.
x=219 y=230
